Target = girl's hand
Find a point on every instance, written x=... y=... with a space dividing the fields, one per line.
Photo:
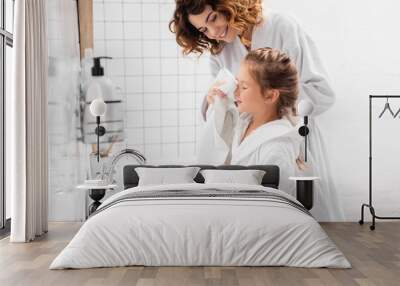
x=214 y=91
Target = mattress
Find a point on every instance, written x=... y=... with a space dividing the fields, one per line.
x=201 y=225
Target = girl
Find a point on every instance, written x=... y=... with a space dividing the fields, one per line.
x=265 y=97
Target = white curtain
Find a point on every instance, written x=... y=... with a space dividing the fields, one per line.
x=26 y=120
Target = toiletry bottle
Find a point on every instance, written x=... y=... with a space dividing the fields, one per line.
x=99 y=83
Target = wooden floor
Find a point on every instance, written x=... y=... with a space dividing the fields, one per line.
x=375 y=257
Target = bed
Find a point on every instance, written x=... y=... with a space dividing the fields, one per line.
x=201 y=224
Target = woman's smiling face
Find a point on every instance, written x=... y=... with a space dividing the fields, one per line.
x=213 y=25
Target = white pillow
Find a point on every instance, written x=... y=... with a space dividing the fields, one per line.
x=164 y=176
x=248 y=177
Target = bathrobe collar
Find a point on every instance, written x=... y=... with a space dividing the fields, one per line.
x=266 y=132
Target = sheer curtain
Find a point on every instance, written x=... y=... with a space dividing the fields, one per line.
x=26 y=120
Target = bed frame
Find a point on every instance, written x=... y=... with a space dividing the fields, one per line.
x=270 y=179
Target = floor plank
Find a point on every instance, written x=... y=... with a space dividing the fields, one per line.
x=374 y=255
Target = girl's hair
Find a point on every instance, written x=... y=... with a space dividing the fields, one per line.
x=240 y=14
x=273 y=69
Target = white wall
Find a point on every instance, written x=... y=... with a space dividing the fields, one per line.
x=359 y=43
x=358 y=40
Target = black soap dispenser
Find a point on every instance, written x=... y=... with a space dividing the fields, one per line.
x=100 y=85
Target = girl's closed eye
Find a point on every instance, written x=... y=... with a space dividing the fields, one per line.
x=242 y=86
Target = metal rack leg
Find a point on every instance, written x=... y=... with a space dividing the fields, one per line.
x=372 y=211
x=361 y=221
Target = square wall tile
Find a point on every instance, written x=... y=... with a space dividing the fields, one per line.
x=134 y=67
x=152 y=135
x=133 y=49
x=186 y=100
x=165 y=33
x=186 y=83
x=119 y=83
x=170 y=150
x=114 y=30
x=98 y=31
x=134 y=101
x=166 y=11
x=186 y=117
x=98 y=12
x=169 y=118
x=151 y=48
x=134 y=136
x=132 y=11
x=113 y=11
x=151 y=66
x=132 y=30
x=169 y=66
x=115 y=67
x=152 y=101
x=151 y=31
x=151 y=84
x=169 y=49
x=150 y=12
x=169 y=100
x=134 y=119
x=152 y=118
x=187 y=134
x=99 y=48
x=153 y=152
x=169 y=83
x=169 y=134
x=134 y=84
x=115 y=49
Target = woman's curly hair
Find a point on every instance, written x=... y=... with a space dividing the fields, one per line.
x=240 y=14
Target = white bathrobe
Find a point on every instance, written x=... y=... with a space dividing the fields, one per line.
x=283 y=32
x=274 y=143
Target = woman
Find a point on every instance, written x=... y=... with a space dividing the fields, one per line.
x=229 y=29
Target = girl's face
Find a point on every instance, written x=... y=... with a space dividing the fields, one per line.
x=248 y=95
x=213 y=25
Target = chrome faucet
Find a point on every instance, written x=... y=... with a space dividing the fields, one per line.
x=108 y=174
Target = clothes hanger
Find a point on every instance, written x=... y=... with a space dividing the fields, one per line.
x=397 y=113
x=387 y=107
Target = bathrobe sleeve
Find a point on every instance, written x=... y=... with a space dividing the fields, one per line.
x=215 y=143
x=215 y=66
x=314 y=83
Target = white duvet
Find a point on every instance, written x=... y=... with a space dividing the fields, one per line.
x=200 y=231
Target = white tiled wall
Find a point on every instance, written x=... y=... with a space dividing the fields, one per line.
x=162 y=89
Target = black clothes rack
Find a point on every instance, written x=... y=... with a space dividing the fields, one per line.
x=370 y=205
